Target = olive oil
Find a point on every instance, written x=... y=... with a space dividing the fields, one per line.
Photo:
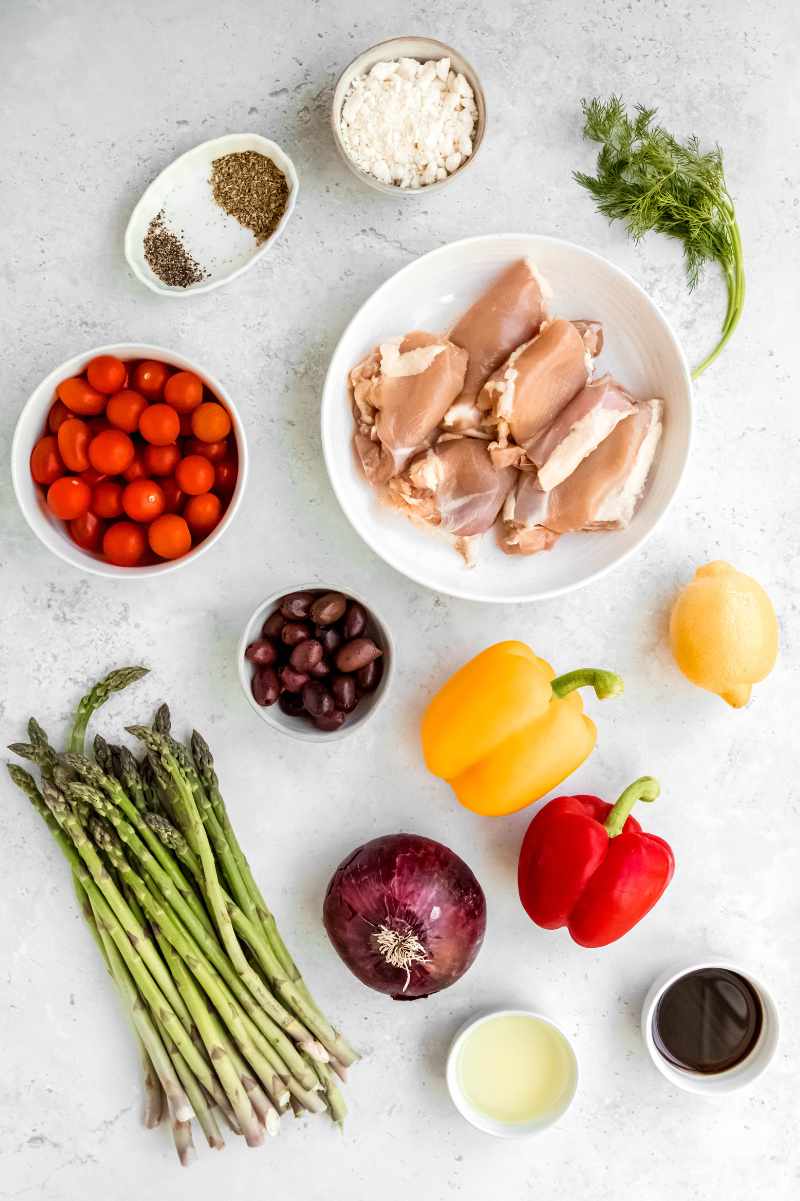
x=515 y=1068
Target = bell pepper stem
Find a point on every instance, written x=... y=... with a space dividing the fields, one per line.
x=644 y=789
x=605 y=683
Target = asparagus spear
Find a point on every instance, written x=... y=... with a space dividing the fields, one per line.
x=115 y=681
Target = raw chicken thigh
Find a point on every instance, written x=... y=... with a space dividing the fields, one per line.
x=578 y=430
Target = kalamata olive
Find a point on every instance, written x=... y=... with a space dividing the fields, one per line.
x=273 y=625
x=266 y=686
x=330 y=638
x=316 y=699
x=294 y=632
x=296 y=604
x=306 y=655
x=329 y=721
x=323 y=668
x=261 y=652
x=328 y=608
x=293 y=680
x=357 y=654
x=369 y=677
x=344 y=692
x=355 y=620
x=291 y=703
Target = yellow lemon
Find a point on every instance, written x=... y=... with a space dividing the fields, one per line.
x=724 y=632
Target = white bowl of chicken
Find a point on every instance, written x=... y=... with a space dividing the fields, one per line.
x=507 y=418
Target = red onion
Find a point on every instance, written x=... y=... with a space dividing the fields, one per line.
x=406 y=915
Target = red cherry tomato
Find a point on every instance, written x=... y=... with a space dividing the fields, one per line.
x=98 y=425
x=173 y=497
x=186 y=425
x=149 y=378
x=106 y=374
x=137 y=470
x=202 y=513
x=80 y=397
x=210 y=422
x=87 y=530
x=184 y=391
x=59 y=413
x=46 y=462
x=225 y=475
x=68 y=497
x=161 y=460
x=73 y=444
x=124 y=410
x=169 y=536
x=143 y=500
x=124 y=544
x=107 y=499
x=159 y=424
x=111 y=452
x=215 y=452
x=195 y=475
x=92 y=477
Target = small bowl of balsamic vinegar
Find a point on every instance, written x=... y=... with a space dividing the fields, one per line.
x=710 y=1027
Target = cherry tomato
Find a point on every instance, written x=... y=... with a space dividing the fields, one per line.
x=143 y=500
x=59 y=413
x=149 y=378
x=80 y=397
x=225 y=475
x=173 y=497
x=107 y=499
x=87 y=530
x=46 y=462
x=161 y=460
x=210 y=422
x=73 y=444
x=160 y=425
x=195 y=475
x=184 y=391
x=215 y=452
x=124 y=410
x=202 y=513
x=92 y=477
x=124 y=543
x=169 y=536
x=186 y=425
x=111 y=452
x=68 y=497
x=137 y=470
x=106 y=374
x=97 y=425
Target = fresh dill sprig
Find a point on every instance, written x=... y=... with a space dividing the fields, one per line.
x=650 y=181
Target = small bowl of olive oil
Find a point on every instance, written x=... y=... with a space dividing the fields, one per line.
x=512 y=1072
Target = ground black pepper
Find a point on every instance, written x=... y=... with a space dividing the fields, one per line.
x=167 y=256
x=249 y=187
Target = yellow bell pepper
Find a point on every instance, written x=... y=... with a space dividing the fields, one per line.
x=503 y=730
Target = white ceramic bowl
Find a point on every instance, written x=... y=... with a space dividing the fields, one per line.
x=31 y=424
x=481 y=1120
x=297 y=727
x=430 y=293
x=423 y=49
x=223 y=247
x=737 y=1077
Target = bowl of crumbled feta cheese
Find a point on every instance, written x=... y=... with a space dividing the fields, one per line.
x=408 y=115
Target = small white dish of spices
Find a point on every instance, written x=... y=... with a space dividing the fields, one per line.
x=211 y=214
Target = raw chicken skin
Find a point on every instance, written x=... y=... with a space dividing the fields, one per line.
x=579 y=429
x=455 y=486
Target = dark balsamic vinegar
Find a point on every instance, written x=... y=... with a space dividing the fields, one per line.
x=708 y=1021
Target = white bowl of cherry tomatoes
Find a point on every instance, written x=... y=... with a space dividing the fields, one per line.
x=129 y=460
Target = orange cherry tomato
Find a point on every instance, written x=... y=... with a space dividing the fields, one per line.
x=68 y=497
x=73 y=444
x=215 y=452
x=149 y=378
x=210 y=422
x=169 y=536
x=124 y=410
x=161 y=460
x=202 y=513
x=143 y=500
x=195 y=475
x=160 y=425
x=59 y=413
x=80 y=397
x=46 y=462
x=184 y=391
x=225 y=475
x=111 y=452
x=173 y=497
x=106 y=373
x=124 y=543
x=107 y=499
x=87 y=530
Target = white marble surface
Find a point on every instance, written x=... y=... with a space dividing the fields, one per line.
x=98 y=97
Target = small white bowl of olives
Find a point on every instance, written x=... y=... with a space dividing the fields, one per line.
x=315 y=662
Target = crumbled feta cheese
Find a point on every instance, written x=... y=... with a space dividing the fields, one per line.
x=409 y=123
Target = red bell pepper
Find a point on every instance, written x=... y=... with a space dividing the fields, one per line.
x=587 y=865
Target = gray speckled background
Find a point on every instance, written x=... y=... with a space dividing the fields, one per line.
x=97 y=98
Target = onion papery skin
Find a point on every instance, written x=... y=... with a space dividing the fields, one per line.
x=417 y=890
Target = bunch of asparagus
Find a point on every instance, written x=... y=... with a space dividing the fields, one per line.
x=225 y=1022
